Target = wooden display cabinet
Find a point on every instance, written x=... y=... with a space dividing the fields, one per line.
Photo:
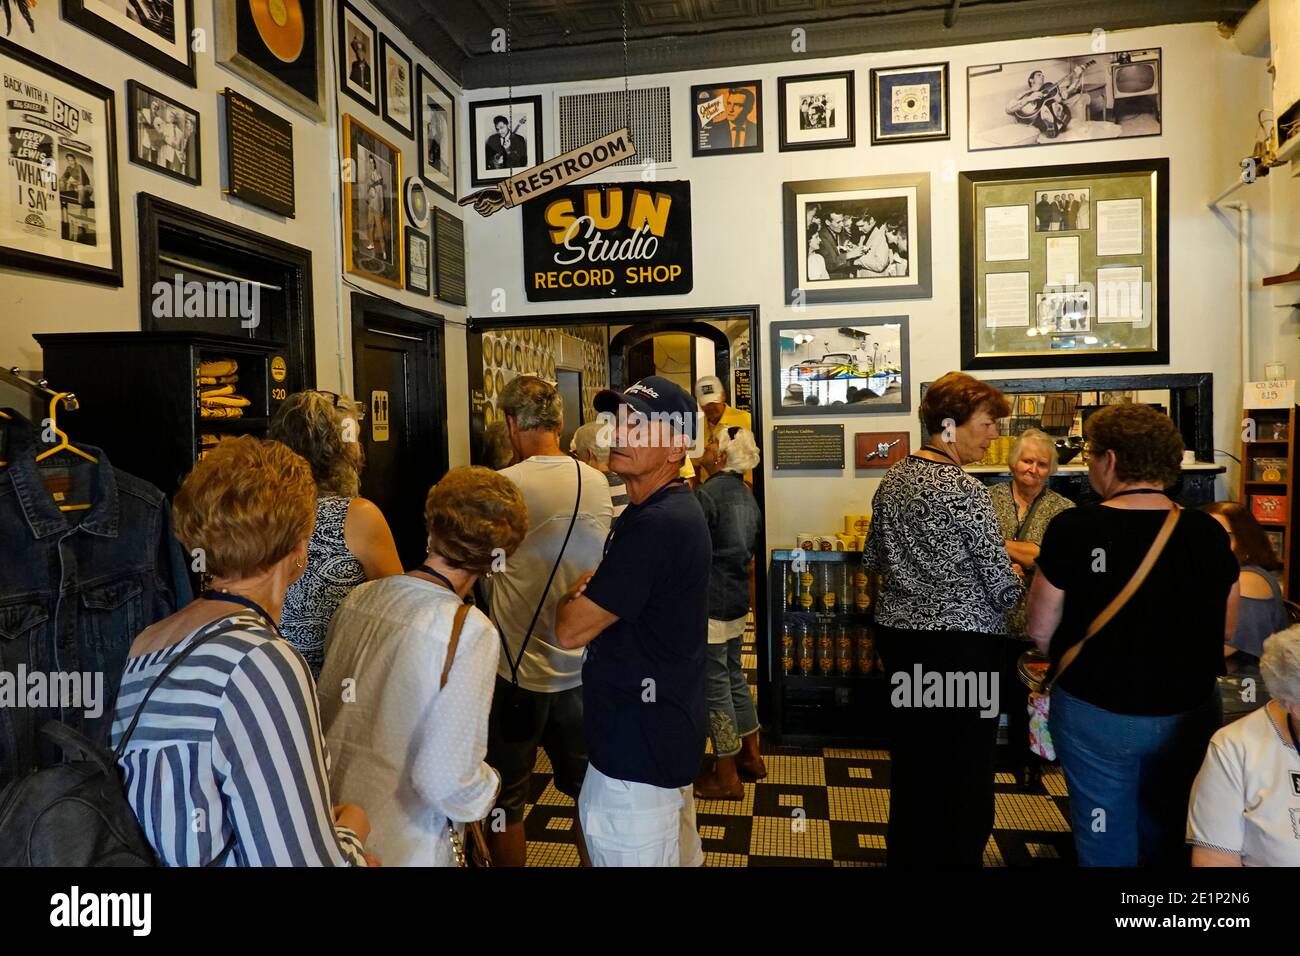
x=1268 y=482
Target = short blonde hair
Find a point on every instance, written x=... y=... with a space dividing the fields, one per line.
x=247 y=504
x=472 y=512
x=1280 y=665
x=588 y=439
x=1034 y=434
x=312 y=424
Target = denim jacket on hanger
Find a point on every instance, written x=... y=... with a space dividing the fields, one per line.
x=76 y=588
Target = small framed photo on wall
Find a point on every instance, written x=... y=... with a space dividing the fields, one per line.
x=727 y=118
x=418 y=271
x=359 y=71
x=437 y=134
x=162 y=133
x=909 y=104
x=397 y=95
x=156 y=32
x=816 y=111
x=505 y=137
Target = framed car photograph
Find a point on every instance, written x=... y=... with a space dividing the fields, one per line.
x=372 y=208
x=505 y=138
x=396 y=88
x=418 y=265
x=162 y=134
x=1065 y=265
x=358 y=62
x=437 y=134
x=1068 y=99
x=909 y=104
x=278 y=47
x=856 y=366
x=727 y=118
x=859 y=239
x=58 y=197
x=156 y=32
x=816 y=111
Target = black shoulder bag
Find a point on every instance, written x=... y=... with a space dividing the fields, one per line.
x=518 y=715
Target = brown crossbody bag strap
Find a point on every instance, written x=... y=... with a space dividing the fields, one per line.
x=1121 y=599
x=476 y=853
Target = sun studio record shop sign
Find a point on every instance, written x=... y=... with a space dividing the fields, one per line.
x=608 y=241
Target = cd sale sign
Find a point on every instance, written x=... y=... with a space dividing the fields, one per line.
x=613 y=240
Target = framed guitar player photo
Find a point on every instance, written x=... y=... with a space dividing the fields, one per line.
x=277 y=46
x=505 y=138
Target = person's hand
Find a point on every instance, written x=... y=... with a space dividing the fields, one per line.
x=1018 y=569
x=579 y=586
x=354 y=818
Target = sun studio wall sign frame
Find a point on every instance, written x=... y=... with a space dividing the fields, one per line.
x=58 y=190
x=1066 y=267
x=855 y=366
x=859 y=239
x=279 y=47
x=158 y=32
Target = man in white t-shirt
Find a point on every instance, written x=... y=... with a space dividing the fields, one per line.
x=1245 y=806
x=538 y=695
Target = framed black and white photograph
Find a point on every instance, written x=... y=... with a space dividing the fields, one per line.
x=417 y=202
x=841 y=366
x=859 y=239
x=1072 y=99
x=58 y=188
x=397 y=89
x=418 y=271
x=372 y=209
x=162 y=133
x=1062 y=210
x=909 y=104
x=505 y=138
x=278 y=46
x=359 y=69
x=727 y=118
x=1064 y=311
x=816 y=111
x=156 y=32
x=437 y=134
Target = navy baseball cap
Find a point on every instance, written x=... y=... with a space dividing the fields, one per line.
x=653 y=396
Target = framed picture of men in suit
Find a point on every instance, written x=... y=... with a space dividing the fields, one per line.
x=505 y=138
x=727 y=118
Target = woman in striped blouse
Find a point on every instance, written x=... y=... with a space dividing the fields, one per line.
x=228 y=764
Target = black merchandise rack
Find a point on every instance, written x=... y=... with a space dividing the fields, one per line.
x=139 y=395
x=837 y=695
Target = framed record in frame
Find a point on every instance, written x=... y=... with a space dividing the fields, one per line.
x=277 y=45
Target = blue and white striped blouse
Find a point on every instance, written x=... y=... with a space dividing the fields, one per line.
x=231 y=744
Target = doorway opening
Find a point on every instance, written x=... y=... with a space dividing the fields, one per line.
x=584 y=353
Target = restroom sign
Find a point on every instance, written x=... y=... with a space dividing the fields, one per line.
x=379 y=416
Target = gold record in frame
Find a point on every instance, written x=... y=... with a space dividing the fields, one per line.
x=280 y=25
x=497 y=350
x=487 y=385
x=510 y=358
x=519 y=356
x=501 y=382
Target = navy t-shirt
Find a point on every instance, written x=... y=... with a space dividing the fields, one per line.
x=643 y=679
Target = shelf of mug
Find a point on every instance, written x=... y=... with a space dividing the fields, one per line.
x=1074 y=468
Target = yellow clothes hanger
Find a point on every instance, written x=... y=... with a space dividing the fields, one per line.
x=64 y=445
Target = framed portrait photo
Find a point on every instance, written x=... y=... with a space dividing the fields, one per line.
x=58 y=188
x=859 y=239
x=727 y=118
x=909 y=104
x=419 y=274
x=841 y=366
x=437 y=134
x=505 y=138
x=397 y=90
x=162 y=133
x=156 y=32
x=277 y=46
x=359 y=70
x=1065 y=265
x=1068 y=99
x=372 y=208
x=816 y=111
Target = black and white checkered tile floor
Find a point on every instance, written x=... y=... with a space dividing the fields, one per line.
x=818 y=807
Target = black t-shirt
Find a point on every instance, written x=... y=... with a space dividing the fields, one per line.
x=1161 y=653
x=643 y=679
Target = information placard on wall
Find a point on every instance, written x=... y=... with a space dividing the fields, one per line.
x=449 y=257
x=259 y=155
x=808 y=446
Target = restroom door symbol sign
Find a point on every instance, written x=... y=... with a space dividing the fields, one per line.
x=379 y=416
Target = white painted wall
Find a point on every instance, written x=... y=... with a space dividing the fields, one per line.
x=1211 y=93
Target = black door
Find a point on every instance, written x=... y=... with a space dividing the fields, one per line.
x=397 y=362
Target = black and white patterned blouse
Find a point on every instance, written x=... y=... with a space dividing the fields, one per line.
x=332 y=572
x=935 y=542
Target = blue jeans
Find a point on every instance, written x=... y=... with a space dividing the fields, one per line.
x=731 y=708
x=1130 y=778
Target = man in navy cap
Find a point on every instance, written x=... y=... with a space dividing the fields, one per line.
x=643 y=617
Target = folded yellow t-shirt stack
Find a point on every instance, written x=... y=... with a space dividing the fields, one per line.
x=217 y=397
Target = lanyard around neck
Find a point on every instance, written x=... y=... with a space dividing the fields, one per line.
x=1137 y=491
x=942 y=451
x=211 y=595
x=442 y=578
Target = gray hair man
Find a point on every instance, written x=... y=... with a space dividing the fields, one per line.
x=538 y=696
x=590 y=445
